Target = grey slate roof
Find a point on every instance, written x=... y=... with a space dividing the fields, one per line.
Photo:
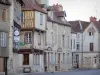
x=75 y=26
x=56 y=16
x=97 y=25
x=6 y=2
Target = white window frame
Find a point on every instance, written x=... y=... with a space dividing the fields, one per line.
x=27 y=38
x=41 y=19
x=3 y=39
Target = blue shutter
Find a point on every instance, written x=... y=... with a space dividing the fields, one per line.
x=3 y=39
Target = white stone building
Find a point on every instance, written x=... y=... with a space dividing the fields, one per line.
x=86 y=53
x=91 y=44
x=57 y=56
x=76 y=42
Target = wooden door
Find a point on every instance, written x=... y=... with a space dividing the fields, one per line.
x=25 y=59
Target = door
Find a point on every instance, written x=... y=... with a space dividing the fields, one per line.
x=1 y=64
x=77 y=61
x=45 y=61
x=59 y=61
x=25 y=59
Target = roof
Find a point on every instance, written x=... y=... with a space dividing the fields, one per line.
x=21 y=2
x=76 y=26
x=57 y=20
x=32 y=5
x=5 y=2
x=97 y=25
x=57 y=16
x=60 y=14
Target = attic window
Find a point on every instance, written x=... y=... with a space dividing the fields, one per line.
x=91 y=33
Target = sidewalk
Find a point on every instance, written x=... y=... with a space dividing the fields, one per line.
x=83 y=69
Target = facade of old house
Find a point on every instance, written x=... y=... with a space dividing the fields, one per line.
x=77 y=40
x=33 y=30
x=4 y=32
x=58 y=35
x=91 y=44
x=85 y=45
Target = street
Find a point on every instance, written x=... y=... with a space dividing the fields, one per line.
x=75 y=72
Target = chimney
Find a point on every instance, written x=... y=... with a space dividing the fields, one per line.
x=58 y=7
x=93 y=19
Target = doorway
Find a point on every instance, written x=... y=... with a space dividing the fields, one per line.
x=77 y=61
x=25 y=59
x=59 y=61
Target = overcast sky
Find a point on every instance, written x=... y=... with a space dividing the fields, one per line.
x=79 y=9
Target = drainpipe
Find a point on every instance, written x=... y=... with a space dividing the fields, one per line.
x=81 y=31
x=5 y=66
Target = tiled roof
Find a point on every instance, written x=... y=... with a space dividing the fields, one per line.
x=30 y=5
x=97 y=25
x=75 y=26
x=60 y=14
x=20 y=1
x=6 y=2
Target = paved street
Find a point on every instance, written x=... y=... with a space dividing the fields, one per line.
x=75 y=72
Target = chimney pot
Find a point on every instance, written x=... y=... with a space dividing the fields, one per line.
x=93 y=19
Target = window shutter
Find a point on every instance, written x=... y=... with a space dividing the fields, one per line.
x=3 y=39
x=25 y=38
x=4 y=14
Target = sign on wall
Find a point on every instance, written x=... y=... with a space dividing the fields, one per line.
x=16 y=38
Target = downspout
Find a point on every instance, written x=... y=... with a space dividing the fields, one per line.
x=81 y=31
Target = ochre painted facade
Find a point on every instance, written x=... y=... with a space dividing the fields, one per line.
x=28 y=20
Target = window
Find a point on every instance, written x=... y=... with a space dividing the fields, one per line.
x=28 y=37
x=95 y=61
x=74 y=44
x=63 y=58
x=22 y=17
x=78 y=46
x=71 y=43
x=4 y=14
x=91 y=46
x=3 y=39
x=91 y=33
x=68 y=41
x=39 y=42
x=63 y=40
x=41 y=19
x=52 y=58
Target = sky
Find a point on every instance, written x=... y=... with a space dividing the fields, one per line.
x=79 y=9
